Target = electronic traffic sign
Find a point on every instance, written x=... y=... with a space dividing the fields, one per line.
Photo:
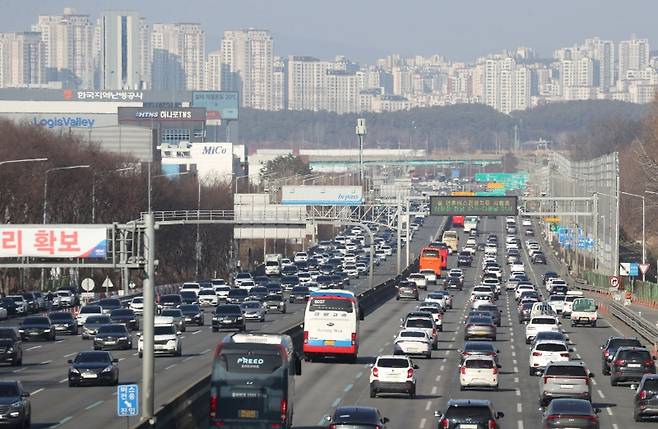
x=473 y=206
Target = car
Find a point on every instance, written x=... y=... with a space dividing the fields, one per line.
x=567 y=379
x=475 y=413
x=437 y=297
x=393 y=374
x=92 y=324
x=172 y=300
x=480 y=327
x=430 y=275
x=189 y=296
x=192 y=314
x=93 y=368
x=274 y=302
x=177 y=317
x=37 y=327
x=166 y=340
x=63 y=299
x=11 y=346
x=228 y=316
x=22 y=307
x=478 y=371
x=492 y=310
x=630 y=364
x=538 y=258
x=137 y=305
x=454 y=283
x=538 y=324
x=436 y=311
x=550 y=336
x=545 y=352
x=524 y=311
x=126 y=316
x=407 y=290
x=299 y=293
x=237 y=296
x=478 y=348
x=207 y=297
x=222 y=292
x=190 y=287
x=64 y=322
x=241 y=277
x=570 y=413
x=571 y=296
x=446 y=297
x=413 y=342
x=253 y=310
x=556 y=302
x=257 y=293
x=109 y=304
x=645 y=400
x=352 y=417
x=15 y=403
x=425 y=323
x=609 y=348
x=10 y=306
x=419 y=279
x=114 y=335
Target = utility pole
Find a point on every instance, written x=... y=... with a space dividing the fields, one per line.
x=148 y=358
x=399 y=232
x=361 y=133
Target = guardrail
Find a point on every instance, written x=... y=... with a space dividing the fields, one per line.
x=635 y=322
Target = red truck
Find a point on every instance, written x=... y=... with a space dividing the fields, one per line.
x=458 y=221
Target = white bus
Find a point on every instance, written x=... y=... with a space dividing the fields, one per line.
x=331 y=325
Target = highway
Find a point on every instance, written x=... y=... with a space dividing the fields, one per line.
x=323 y=386
x=54 y=404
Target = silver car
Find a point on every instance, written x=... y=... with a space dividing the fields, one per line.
x=253 y=310
x=570 y=379
x=178 y=317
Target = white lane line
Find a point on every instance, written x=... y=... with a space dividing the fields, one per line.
x=519 y=407
x=512 y=346
x=33 y=348
x=62 y=422
x=609 y=411
x=442 y=367
x=448 y=352
x=122 y=359
x=205 y=351
x=516 y=369
x=615 y=426
x=422 y=423
x=46 y=362
x=170 y=366
x=428 y=405
x=593 y=381
x=70 y=354
x=19 y=370
x=335 y=403
x=438 y=378
x=196 y=332
x=513 y=354
x=517 y=391
x=516 y=379
x=519 y=424
x=358 y=374
x=348 y=388
x=434 y=389
x=39 y=390
x=381 y=349
x=388 y=343
x=135 y=354
x=94 y=405
x=188 y=358
x=64 y=380
x=514 y=361
x=600 y=393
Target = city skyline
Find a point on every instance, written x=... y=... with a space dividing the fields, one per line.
x=418 y=29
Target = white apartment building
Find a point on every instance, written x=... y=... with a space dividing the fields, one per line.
x=22 y=60
x=279 y=84
x=213 y=71
x=506 y=84
x=247 y=57
x=307 y=80
x=602 y=53
x=120 y=42
x=68 y=41
x=178 y=52
x=342 y=92
x=633 y=55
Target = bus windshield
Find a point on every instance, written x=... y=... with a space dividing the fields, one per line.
x=331 y=304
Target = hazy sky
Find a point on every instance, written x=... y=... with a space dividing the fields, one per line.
x=367 y=29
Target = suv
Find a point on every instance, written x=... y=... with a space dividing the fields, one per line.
x=646 y=398
x=228 y=316
x=477 y=413
x=16 y=402
x=11 y=346
x=407 y=290
x=630 y=364
x=569 y=379
x=539 y=324
x=610 y=347
x=166 y=340
x=393 y=374
x=425 y=323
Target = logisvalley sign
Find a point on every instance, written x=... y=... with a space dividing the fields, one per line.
x=322 y=195
x=64 y=121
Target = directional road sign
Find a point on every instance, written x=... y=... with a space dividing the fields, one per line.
x=127 y=400
x=614 y=282
x=634 y=269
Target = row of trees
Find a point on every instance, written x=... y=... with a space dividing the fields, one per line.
x=112 y=189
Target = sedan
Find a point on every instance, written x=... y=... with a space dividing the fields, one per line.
x=274 y=302
x=35 y=327
x=125 y=316
x=413 y=342
x=479 y=348
x=113 y=336
x=299 y=293
x=480 y=327
x=15 y=402
x=253 y=310
x=92 y=324
x=192 y=314
x=96 y=367
x=570 y=413
x=357 y=417
x=64 y=322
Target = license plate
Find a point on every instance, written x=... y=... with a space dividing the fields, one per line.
x=227 y=321
x=634 y=365
x=89 y=375
x=468 y=426
x=273 y=307
x=34 y=333
x=110 y=342
x=584 y=319
x=330 y=343
x=566 y=386
x=247 y=414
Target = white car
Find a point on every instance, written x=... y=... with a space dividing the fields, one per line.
x=413 y=342
x=478 y=371
x=572 y=295
x=306 y=277
x=63 y=298
x=191 y=286
x=88 y=310
x=167 y=340
x=522 y=287
x=492 y=269
x=3 y=313
x=388 y=250
x=242 y=277
x=301 y=257
x=438 y=298
x=430 y=275
x=137 y=305
x=557 y=302
x=540 y=324
x=437 y=313
x=526 y=222
x=208 y=297
x=393 y=374
x=222 y=292
x=247 y=284
x=545 y=352
x=21 y=303
x=482 y=298
x=419 y=279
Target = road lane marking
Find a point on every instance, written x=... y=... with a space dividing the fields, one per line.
x=70 y=354
x=64 y=380
x=94 y=405
x=63 y=421
x=39 y=390
x=46 y=362
x=519 y=424
x=19 y=370
x=593 y=381
x=335 y=403
x=438 y=377
x=170 y=366
x=600 y=393
x=519 y=407
x=188 y=358
x=428 y=405
x=196 y=332
x=123 y=358
x=516 y=379
x=358 y=374
x=615 y=426
x=434 y=389
x=516 y=369
x=513 y=354
x=442 y=367
x=609 y=411
x=33 y=348
x=518 y=392
x=348 y=388
x=205 y=351
x=422 y=423
x=514 y=361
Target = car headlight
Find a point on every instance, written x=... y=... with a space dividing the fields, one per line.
x=123 y=339
x=17 y=404
x=108 y=369
x=74 y=371
x=10 y=349
x=21 y=330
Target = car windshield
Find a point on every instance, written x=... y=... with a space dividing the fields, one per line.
x=468 y=413
x=108 y=303
x=138 y=300
x=238 y=293
x=63 y=293
x=190 y=308
x=549 y=335
x=651 y=384
x=188 y=294
x=164 y=330
x=60 y=316
x=88 y=357
x=90 y=309
x=478 y=347
x=543 y=321
x=98 y=319
x=228 y=309
x=585 y=305
x=112 y=329
x=625 y=342
x=392 y=363
x=8 y=390
x=566 y=370
x=122 y=312
x=419 y=323
x=636 y=355
x=35 y=321
x=252 y=305
x=207 y=292
x=480 y=320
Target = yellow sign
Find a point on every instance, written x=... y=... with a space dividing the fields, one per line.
x=463 y=194
x=495 y=185
x=552 y=219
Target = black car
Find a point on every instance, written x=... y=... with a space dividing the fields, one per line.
x=172 y=300
x=454 y=283
x=570 y=413
x=275 y=302
x=261 y=280
x=109 y=304
x=189 y=297
x=646 y=398
x=289 y=270
x=357 y=417
x=299 y=293
x=126 y=316
x=610 y=347
x=478 y=413
x=93 y=323
x=10 y=306
x=289 y=282
x=113 y=336
x=97 y=367
x=258 y=293
x=15 y=405
x=35 y=327
x=228 y=316
x=237 y=296
x=538 y=258
x=192 y=314
x=494 y=311
x=549 y=275
x=274 y=288
x=630 y=364
x=64 y=322
x=11 y=347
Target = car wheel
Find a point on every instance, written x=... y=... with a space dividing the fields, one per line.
x=605 y=371
x=412 y=394
x=397 y=298
x=613 y=381
x=28 y=422
x=373 y=393
x=428 y=355
x=531 y=372
x=71 y=384
x=636 y=416
x=140 y=354
x=96 y=348
x=462 y=388
x=527 y=341
x=214 y=329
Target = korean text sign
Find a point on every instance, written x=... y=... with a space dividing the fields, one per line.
x=473 y=206
x=53 y=241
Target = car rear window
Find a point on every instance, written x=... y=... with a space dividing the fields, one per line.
x=651 y=384
x=543 y=321
x=571 y=407
x=470 y=412
x=625 y=342
x=568 y=370
x=634 y=355
x=412 y=334
x=551 y=347
x=479 y=364
x=419 y=323
x=393 y=363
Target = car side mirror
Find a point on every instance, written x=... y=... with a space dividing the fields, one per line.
x=591 y=375
x=25 y=395
x=70 y=361
x=385 y=420
x=179 y=333
x=570 y=350
x=500 y=415
x=115 y=360
x=438 y=414
x=597 y=410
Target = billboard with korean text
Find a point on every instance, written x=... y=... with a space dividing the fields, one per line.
x=53 y=241
x=322 y=195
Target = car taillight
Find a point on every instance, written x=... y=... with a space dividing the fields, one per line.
x=213 y=405
x=445 y=424
x=587 y=381
x=410 y=372
x=284 y=410
x=495 y=370
x=491 y=424
x=536 y=353
x=332 y=426
x=353 y=338
x=619 y=362
x=434 y=331
x=375 y=372
x=648 y=362
x=643 y=394
x=545 y=380
x=305 y=337
x=606 y=353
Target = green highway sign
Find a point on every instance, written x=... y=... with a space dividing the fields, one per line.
x=510 y=181
x=553 y=227
x=494 y=193
x=473 y=205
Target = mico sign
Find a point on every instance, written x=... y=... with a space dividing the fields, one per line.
x=214 y=150
x=64 y=121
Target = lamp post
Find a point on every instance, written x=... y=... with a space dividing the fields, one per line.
x=20 y=161
x=150 y=178
x=361 y=133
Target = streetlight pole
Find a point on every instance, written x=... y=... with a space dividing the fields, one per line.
x=20 y=161
x=361 y=133
x=644 y=243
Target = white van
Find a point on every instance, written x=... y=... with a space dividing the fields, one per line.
x=584 y=312
x=572 y=295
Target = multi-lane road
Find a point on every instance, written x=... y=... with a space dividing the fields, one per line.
x=324 y=386
x=54 y=404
